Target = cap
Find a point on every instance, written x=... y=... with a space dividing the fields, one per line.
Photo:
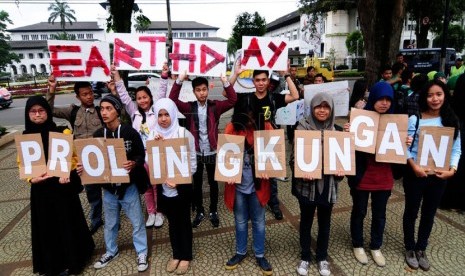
x=115 y=101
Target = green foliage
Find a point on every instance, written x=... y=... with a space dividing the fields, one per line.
x=455 y=38
x=6 y=56
x=63 y=36
x=2 y=130
x=62 y=11
x=142 y=22
x=354 y=42
x=247 y=24
x=120 y=19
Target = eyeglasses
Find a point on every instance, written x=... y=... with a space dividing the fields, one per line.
x=35 y=111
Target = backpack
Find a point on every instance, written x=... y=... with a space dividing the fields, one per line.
x=399 y=170
x=74 y=111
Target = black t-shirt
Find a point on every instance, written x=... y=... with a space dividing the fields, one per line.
x=266 y=109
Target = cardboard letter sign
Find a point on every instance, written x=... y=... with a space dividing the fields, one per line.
x=435 y=147
x=270 y=153
x=31 y=157
x=102 y=160
x=307 y=154
x=390 y=144
x=60 y=153
x=339 y=152
x=265 y=53
x=138 y=51
x=201 y=58
x=74 y=60
x=229 y=158
x=364 y=124
x=169 y=160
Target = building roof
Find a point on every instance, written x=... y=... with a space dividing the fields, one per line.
x=283 y=21
x=27 y=44
x=180 y=25
x=49 y=27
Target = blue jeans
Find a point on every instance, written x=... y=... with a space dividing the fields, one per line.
x=379 y=201
x=274 y=201
x=133 y=210
x=247 y=206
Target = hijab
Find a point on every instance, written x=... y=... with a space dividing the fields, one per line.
x=380 y=90
x=44 y=128
x=168 y=105
x=311 y=123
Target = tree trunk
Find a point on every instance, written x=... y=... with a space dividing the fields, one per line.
x=122 y=12
x=381 y=24
x=421 y=31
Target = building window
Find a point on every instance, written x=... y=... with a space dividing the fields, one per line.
x=89 y=36
x=175 y=35
x=44 y=37
x=190 y=34
x=80 y=36
x=198 y=34
x=40 y=55
x=294 y=34
x=25 y=37
x=34 y=37
x=31 y=55
x=182 y=35
x=21 y=56
x=204 y=34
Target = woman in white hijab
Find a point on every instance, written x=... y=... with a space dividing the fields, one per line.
x=175 y=200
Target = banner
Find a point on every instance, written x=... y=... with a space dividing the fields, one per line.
x=229 y=158
x=264 y=53
x=138 y=51
x=338 y=90
x=73 y=60
x=291 y=113
x=197 y=57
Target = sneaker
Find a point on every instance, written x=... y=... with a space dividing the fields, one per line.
x=302 y=269
x=423 y=262
x=277 y=213
x=104 y=260
x=158 y=220
x=198 y=220
x=142 y=263
x=264 y=266
x=234 y=261
x=283 y=179
x=411 y=259
x=360 y=255
x=378 y=257
x=150 y=220
x=214 y=219
x=323 y=268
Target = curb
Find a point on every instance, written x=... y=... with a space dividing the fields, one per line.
x=7 y=138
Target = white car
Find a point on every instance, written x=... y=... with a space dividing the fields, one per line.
x=5 y=98
x=138 y=79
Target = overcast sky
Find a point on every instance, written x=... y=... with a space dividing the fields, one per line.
x=217 y=13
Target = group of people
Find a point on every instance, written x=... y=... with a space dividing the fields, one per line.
x=62 y=241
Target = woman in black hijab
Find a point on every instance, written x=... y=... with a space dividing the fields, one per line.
x=61 y=241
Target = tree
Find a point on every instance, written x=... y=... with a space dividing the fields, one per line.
x=381 y=25
x=142 y=22
x=429 y=16
x=6 y=57
x=62 y=11
x=120 y=16
x=354 y=43
x=247 y=24
x=455 y=38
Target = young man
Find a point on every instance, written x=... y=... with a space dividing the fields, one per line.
x=85 y=120
x=267 y=104
x=202 y=118
x=310 y=77
x=319 y=78
x=458 y=69
x=117 y=196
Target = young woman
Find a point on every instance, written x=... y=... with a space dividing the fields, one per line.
x=372 y=178
x=144 y=120
x=435 y=110
x=316 y=194
x=175 y=200
x=61 y=240
x=249 y=198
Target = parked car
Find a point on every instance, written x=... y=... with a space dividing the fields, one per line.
x=99 y=88
x=5 y=98
x=139 y=79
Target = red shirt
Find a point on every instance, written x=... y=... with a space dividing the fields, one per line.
x=377 y=177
